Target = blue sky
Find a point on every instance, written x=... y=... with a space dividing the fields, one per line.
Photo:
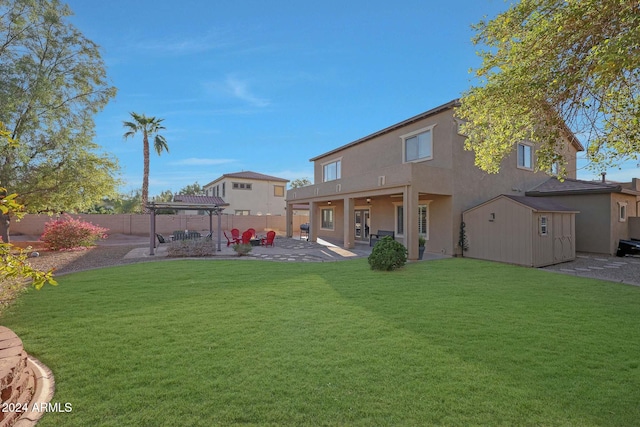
x=265 y=86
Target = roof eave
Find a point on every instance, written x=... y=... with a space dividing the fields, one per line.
x=433 y=111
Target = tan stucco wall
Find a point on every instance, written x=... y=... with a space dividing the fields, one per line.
x=450 y=173
x=165 y=224
x=259 y=200
x=593 y=223
x=507 y=238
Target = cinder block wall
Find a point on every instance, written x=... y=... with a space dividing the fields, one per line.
x=166 y=224
x=634 y=227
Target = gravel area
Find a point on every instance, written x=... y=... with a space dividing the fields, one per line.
x=611 y=268
x=72 y=261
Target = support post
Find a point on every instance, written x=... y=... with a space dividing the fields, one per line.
x=219 y=229
x=349 y=223
x=152 y=231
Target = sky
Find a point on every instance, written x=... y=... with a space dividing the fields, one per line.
x=263 y=86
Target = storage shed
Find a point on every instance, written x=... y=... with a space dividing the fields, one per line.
x=529 y=231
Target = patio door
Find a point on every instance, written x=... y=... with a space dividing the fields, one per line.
x=362 y=224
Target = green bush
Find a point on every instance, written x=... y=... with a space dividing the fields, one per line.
x=387 y=255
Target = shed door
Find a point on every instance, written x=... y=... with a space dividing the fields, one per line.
x=562 y=238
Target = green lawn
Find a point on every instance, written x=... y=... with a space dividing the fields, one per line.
x=453 y=342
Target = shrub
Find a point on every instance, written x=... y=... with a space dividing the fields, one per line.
x=191 y=248
x=242 y=249
x=69 y=233
x=387 y=255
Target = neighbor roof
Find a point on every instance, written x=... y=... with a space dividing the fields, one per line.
x=248 y=175
x=555 y=187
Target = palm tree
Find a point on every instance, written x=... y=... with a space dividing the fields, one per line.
x=149 y=126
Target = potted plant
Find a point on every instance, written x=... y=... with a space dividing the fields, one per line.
x=421 y=242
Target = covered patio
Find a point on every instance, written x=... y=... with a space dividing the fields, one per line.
x=211 y=208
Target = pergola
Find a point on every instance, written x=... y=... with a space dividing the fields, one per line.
x=212 y=209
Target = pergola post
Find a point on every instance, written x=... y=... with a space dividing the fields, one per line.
x=152 y=231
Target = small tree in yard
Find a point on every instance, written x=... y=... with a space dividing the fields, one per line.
x=387 y=255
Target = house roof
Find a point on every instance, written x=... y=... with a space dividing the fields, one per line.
x=199 y=200
x=449 y=105
x=555 y=187
x=248 y=175
x=433 y=111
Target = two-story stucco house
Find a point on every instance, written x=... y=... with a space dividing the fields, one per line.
x=413 y=178
x=250 y=193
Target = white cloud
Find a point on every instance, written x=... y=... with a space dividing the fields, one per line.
x=238 y=89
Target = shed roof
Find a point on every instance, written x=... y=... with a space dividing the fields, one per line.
x=537 y=204
x=555 y=187
x=540 y=204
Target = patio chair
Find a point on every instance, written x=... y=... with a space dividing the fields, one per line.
x=161 y=239
x=231 y=239
x=246 y=237
x=235 y=233
x=271 y=235
x=253 y=232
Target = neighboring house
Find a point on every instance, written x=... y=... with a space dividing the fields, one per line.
x=250 y=193
x=197 y=200
x=608 y=211
x=529 y=231
x=413 y=178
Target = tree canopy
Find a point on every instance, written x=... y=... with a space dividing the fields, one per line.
x=53 y=83
x=553 y=65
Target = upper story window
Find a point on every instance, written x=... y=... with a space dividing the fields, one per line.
x=418 y=146
x=224 y=190
x=525 y=156
x=332 y=171
x=242 y=186
x=278 y=190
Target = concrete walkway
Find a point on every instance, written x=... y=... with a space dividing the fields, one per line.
x=284 y=249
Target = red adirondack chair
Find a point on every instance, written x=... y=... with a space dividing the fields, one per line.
x=271 y=235
x=246 y=237
x=235 y=233
x=253 y=232
x=231 y=239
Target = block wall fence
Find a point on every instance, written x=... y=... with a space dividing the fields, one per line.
x=634 y=227
x=138 y=224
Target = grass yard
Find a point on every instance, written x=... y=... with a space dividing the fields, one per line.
x=453 y=342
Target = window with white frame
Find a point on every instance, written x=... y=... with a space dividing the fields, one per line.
x=326 y=216
x=544 y=227
x=243 y=212
x=418 y=146
x=525 y=156
x=622 y=211
x=278 y=190
x=332 y=170
x=423 y=220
